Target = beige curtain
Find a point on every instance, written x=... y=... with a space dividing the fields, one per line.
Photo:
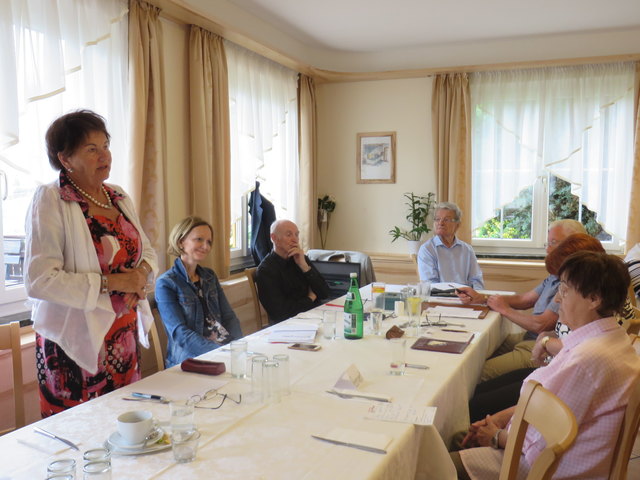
x=308 y=207
x=147 y=146
x=633 y=229
x=210 y=151
x=451 y=117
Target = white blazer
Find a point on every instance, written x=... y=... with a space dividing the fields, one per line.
x=63 y=276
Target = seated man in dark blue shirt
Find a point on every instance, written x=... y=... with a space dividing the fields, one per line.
x=287 y=281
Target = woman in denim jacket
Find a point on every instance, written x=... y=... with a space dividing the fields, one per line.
x=192 y=304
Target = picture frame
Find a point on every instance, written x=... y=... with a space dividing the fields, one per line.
x=376 y=157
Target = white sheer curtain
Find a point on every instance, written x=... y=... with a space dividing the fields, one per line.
x=574 y=122
x=58 y=56
x=264 y=130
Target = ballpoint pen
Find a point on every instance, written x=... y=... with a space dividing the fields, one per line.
x=148 y=396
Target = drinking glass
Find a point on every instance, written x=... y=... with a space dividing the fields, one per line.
x=96 y=471
x=329 y=324
x=239 y=358
x=257 y=366
x=377 y=295
x=413 y=306
x=283 y=373
x=97 y=455
x=397 y=350
x=181 y=417
x=376 y=321
x=270 y=378
x=185 y=445
x=64 y=466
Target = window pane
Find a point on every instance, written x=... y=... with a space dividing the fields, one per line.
x=513 y=221
x=563 y=204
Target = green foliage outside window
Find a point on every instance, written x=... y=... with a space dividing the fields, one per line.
x=514 y=222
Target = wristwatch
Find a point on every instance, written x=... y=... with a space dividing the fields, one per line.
x=495 y=438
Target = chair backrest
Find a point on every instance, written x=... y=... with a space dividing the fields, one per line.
x=10 y=340
x=158 y=334
x=552 y=418
x=634 y=323
x=251 y=280
x=627 y=436
x=632 y=296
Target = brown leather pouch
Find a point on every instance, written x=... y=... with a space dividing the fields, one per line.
x=205 y=367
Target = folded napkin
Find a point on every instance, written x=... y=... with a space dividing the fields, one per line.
x=205 y=367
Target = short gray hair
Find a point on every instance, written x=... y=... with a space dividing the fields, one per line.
x=569 y=226
x=449 y=206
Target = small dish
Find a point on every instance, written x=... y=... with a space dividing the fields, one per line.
x=155 y=443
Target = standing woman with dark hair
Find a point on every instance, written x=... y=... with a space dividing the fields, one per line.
x=192 y=304
x=88 y=262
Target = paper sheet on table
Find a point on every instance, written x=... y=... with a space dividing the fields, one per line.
x=456 y=312
x=175 y=384
x=293 y=333
x=403 y=413
x=447 y=336
x=358 y=438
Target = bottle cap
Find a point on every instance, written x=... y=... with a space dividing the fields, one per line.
x=353 y=275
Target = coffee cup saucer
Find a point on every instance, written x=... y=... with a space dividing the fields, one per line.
x=116 y=440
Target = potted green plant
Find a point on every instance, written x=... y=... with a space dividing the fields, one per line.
x=419 y=207
x=326 y=205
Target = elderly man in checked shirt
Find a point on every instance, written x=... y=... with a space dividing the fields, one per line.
x=593 y=374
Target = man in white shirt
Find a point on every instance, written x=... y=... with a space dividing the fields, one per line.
x=445 y=258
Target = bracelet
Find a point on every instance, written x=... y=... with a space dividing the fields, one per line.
x=144 y=267
x=104 y=284
x=544 y=342
x=495 y=439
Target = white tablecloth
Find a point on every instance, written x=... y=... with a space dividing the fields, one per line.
x=254 y=441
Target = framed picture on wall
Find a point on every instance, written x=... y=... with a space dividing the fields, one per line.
x=376 y=158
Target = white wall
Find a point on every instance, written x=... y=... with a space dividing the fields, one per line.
x=366 y=212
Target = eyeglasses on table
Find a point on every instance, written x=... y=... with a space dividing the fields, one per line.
x=213 y=394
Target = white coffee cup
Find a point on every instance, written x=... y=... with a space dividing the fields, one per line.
x=134 y=426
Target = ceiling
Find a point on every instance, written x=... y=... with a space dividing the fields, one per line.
x=378 y=25
x=369 y=35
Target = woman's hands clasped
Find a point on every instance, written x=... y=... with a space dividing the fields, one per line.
x=131 y=281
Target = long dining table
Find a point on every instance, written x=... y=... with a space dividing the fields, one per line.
x=253 y=440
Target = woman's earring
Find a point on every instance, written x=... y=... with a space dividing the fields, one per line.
x=70 y=170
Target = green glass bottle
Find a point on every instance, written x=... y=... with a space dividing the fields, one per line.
x=353 y=311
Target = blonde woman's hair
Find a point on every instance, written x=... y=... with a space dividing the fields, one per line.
x=181 y=230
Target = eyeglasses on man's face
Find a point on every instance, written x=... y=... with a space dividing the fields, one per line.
x=552 y=243
x=215 y=398
x=445 y=220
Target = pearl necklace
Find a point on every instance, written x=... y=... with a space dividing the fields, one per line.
x=107 y=205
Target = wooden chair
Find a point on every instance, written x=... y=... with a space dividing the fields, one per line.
x=552 y=418
x=627 y=436
x=634 y=323
x=632 y=296
x=10 y=340
x=251 y=280
x=158 y=334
